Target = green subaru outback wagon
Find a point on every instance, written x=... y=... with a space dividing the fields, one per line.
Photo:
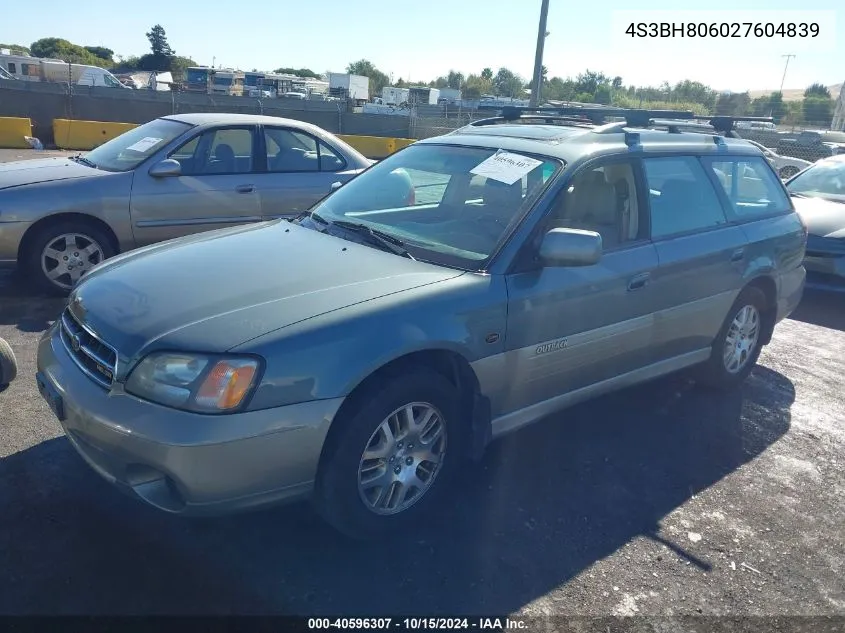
x=463 y=288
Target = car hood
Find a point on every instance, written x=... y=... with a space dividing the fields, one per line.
x=31 y=172
x=824 y=218
x=213 y=291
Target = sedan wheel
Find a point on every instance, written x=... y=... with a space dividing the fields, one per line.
x=402 y=458
x=69 y=256
x=788 y=172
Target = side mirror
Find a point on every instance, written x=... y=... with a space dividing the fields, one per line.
x=570 y=247
x=336 y=185
x=166 y=168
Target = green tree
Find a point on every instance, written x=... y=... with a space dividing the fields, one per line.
x=476 y=86
x=487 y=74
x=102 y=52
x=16 y=49
x=158 y=42
x=818 y=110
x=299 y=72
x=58 y=48
x=616 y=84
x=733 y=104
x=817 y=90
x=509 y=84
x=454 y=80
x=400 y=83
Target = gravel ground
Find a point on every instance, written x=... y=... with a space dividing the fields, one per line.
x=665 y=500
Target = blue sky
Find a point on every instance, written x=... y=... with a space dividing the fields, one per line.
x=421 y=39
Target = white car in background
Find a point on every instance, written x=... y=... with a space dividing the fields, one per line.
x=785 y=166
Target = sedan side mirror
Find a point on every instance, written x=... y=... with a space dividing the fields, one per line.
x=166 y=168
x=570 y=247
x=336 y=185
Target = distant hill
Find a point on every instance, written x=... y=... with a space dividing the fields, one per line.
x=794 y=94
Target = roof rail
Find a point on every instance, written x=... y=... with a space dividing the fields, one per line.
x=546 y=118
x=633 y=117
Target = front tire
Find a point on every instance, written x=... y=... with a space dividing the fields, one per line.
x=8 y=363
x=60 y=254
x=392 y=456
x=739 y=342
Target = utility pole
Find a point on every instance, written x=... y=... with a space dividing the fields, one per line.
x=538 y=57
x=788 y=57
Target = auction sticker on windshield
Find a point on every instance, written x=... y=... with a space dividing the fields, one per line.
x=505 y=167
x=145 y=143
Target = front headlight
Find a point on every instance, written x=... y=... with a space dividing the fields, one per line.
x=195 y=382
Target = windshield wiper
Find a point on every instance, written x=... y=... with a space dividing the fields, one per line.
x=385 y=241
x=81 y=159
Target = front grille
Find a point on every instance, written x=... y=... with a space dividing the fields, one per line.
x=94 y=357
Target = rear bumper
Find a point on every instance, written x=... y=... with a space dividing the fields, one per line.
x=825 y=273
x=180 y=462
x=791 y=291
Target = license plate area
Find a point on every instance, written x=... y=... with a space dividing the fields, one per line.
x=51 y=396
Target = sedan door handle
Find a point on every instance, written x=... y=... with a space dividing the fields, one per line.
x=245 y=188
x=638 y=281
x=738 y=255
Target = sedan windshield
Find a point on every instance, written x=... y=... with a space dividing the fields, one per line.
x=446 y=204
x=825 y=179
x=132 y=148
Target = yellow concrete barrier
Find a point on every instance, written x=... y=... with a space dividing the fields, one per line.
x=376 y=146
x=68 y=134
x=12 y=132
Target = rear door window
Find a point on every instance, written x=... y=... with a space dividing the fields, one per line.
x=681 y=197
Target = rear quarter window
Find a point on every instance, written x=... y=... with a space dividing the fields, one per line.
x=751 y=187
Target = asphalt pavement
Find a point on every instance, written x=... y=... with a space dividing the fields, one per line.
x=663 y=500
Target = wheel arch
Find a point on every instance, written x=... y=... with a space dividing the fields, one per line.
x=448 y=363
x=82 y=218
x=767 y=285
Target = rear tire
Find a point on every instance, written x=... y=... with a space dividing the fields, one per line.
x=8 y=363
x=739 y=342
x=60 y=254
x=358 y=478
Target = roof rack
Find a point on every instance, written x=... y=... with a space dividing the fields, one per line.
x=632 y=117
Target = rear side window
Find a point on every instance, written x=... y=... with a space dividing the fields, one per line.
x=751 y=187
x=681 y=197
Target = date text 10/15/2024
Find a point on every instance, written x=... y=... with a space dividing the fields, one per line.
x=417 y=624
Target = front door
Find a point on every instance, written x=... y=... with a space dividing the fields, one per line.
x=217 y=188
x=300 y=171
x=569 y=328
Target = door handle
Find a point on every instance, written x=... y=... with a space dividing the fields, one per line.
x=738 y=255
x=245 y=188
x=638 y=281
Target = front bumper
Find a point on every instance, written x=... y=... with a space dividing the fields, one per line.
x=11 y=234
x=825 y=273
x=183 y=462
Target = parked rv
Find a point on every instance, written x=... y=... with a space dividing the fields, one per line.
x=28 y=68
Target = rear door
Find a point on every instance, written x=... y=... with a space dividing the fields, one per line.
x=298 y=171
x=217 y=188
x=702 y=255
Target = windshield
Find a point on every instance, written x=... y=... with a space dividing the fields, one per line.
x=825 y=179
x=132 y=148
x=197 y=76
x=450 y=205
x=223 y=80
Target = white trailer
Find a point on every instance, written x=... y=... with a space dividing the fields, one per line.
x=355 y=87
x=394 y=96
x=39 y=69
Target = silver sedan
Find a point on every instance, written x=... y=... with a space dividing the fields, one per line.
x=171 y=177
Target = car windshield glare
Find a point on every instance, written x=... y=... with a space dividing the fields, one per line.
x=449 y=204
x=825 y=179
x=130 y=149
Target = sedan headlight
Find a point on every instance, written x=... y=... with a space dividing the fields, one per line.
x=195 y=382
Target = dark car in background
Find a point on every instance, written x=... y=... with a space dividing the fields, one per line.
x=818 y=194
